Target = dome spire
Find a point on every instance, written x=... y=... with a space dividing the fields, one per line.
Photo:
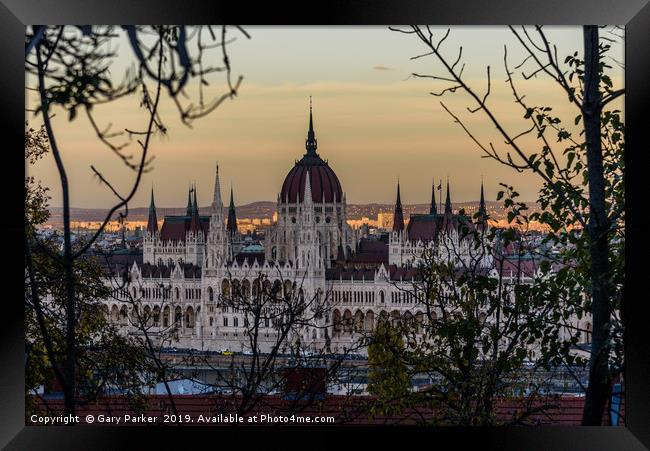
x=216 y=197
x=311 y=144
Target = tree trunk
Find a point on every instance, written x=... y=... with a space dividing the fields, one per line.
x=598 y=390
x=68 y=260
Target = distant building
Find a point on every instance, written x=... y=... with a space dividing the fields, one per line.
x=193 y=261
x=385 y=221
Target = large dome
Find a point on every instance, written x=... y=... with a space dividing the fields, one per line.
x=325 y=185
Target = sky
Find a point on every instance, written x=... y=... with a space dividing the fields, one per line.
x=374 y=122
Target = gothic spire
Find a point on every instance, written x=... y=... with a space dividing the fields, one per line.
x=311 y=142
x=307 y=196
x=398 y=217
x=195 y=206
x=152 y=222
x=231 y=225
x=448 y=200
x=188 y=211
x=195 y=223
x=216 y=199
x=448 y=217
x=482 y=211
x=433 y=210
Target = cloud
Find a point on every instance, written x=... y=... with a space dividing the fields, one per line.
x=380 y=67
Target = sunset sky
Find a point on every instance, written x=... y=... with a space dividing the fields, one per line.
x=373 y=122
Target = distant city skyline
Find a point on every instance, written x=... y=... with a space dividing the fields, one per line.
x=373 y=123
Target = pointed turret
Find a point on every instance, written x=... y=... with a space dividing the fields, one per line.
x=311 y=143
x=433 y=209
x=152 y=222
x=307 y=197
x=482 y=211
x=448 y=200
x=448 y=217
x=195 y=204
x=188 y=211
x=216 y=198
x=398 y=217
x=195 y=223
x=231 y=226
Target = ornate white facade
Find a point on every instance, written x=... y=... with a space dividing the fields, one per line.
x=188 y=266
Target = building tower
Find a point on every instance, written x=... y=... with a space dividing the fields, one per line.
x=232 y=217
x=152 y=222
x=311 y=195
x=188 y=210
x=448 y=217
x=482 y=212
x=433 y=209
x=218 y=242
x=149 y=242
x=398 y=217
x=397 y=236
x=195 y=236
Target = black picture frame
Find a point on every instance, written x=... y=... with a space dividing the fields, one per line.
x=16 y=14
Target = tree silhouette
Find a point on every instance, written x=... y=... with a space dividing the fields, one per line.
x=70 y=70
x=583 y=192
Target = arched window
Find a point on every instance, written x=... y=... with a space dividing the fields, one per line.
x=336 y=321
x=358 y=321
x=166 y=317
x=178 y=316
x=347 y=321
x=148 y=318
x=369 y=321
x=189 y=318
x=225 y=288
x=210 y=294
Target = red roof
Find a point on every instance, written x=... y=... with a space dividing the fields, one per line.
x=174 y=228
x=323 y=181
x=423 y=227
x=427 y=227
